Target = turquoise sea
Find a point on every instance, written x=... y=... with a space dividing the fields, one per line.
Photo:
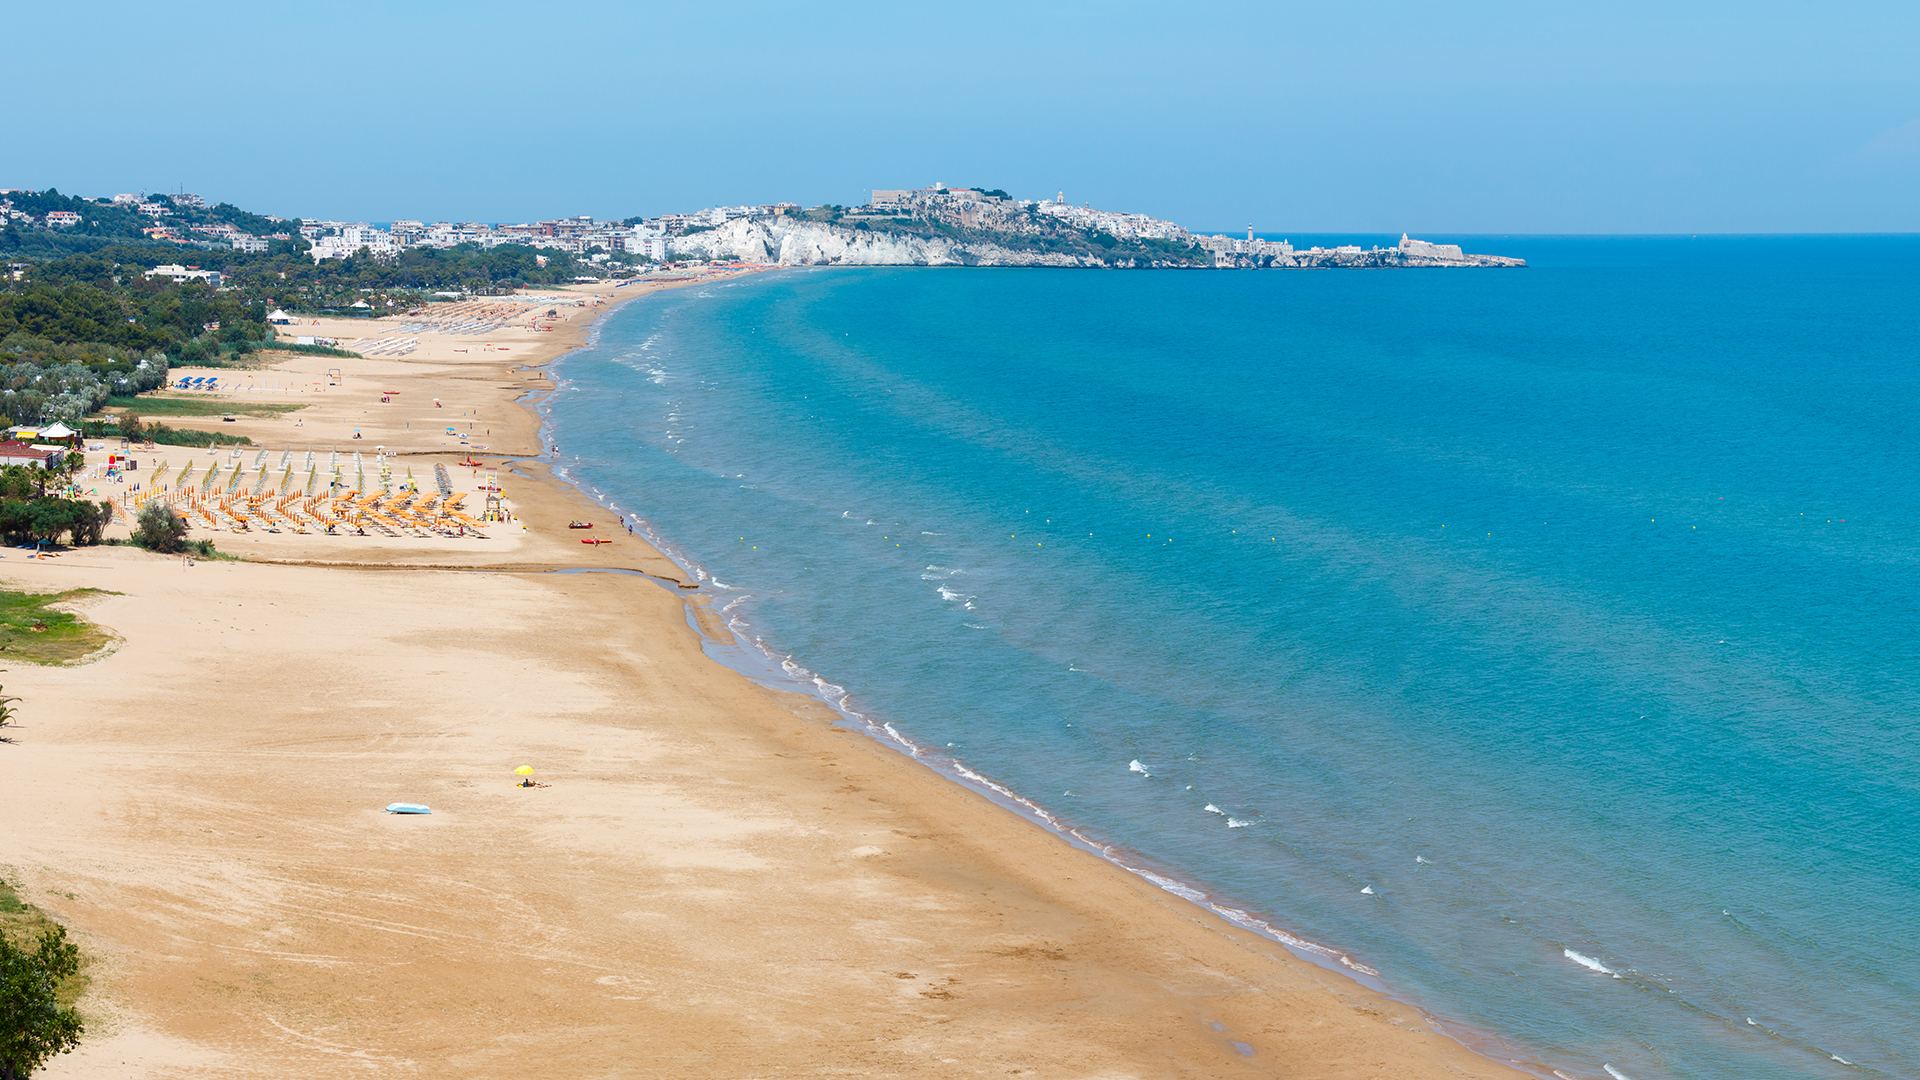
x=1539 y=645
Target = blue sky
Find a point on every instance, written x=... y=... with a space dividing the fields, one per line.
x=1437 y=117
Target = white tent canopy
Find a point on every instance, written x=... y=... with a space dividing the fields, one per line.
x=57 y=430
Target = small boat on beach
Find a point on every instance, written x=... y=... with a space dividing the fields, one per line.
x=596 y=541
x=579 y=524
x=407 y=808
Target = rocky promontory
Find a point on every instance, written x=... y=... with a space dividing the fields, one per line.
x=943 y=226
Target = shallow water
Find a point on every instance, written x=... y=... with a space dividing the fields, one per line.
x=1541 y=640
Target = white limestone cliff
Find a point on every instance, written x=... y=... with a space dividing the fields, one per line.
x=794 y=242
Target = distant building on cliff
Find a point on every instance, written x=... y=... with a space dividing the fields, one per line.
x=1420 y=249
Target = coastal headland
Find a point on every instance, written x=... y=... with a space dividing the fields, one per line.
x=943 y=226
x=715 y=880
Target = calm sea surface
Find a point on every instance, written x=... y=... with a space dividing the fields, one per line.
x=1543 y=641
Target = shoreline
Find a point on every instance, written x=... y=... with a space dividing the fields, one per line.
x=710 y=886
x=764 y=665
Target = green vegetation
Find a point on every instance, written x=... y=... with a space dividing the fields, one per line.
x=159 y=527
x=33 y=510
x=163 y=435
x=160 y=434
x=280 y=346
x=155 y=405
x=40 y=978
x=32 y=631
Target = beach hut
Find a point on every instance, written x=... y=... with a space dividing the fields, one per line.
x=58 y=432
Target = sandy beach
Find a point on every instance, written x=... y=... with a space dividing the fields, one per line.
x=716 y=882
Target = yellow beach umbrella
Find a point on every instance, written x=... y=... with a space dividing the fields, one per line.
x=525 y=770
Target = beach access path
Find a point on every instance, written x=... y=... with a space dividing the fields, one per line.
x=718 y=882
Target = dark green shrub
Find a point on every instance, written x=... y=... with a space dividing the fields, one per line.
x=158 y=527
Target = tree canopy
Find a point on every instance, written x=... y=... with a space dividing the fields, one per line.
x=34 y=1026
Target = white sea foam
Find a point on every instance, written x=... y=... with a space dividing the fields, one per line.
x=1616 y=1073
x=1423 y=859
x=1368 y=890
x=1589 y=963
x=1236 y=823
x=1135 y=766
x=1358 y=966
x=1840 y=1059
x=949 y=594
x=1212 y=809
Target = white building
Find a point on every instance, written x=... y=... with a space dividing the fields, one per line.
x=62 y=219
x=1423 y=250
x=653 y=247
x=252 y=245
x=378 y=242
x=178 y=273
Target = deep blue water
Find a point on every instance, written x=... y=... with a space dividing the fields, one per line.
x=1569 y=610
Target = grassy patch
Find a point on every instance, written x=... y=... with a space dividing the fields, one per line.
x=23 y=923
x=31 y=631
x=163 y=435
x=153 y=405
x=289 y=347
